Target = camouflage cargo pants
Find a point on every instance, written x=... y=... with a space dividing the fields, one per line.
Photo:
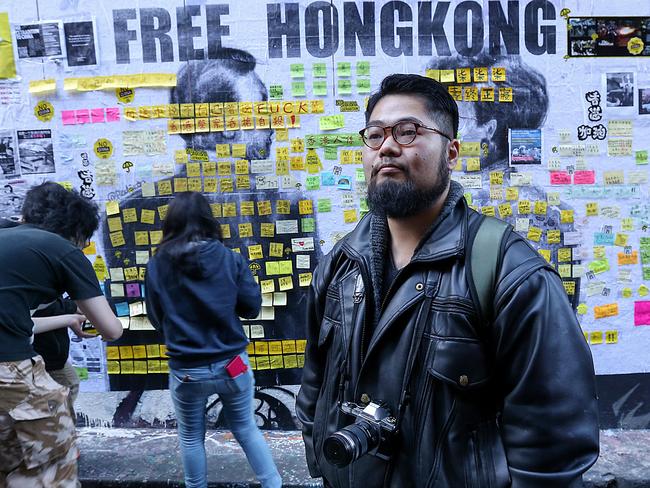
x=37 y=440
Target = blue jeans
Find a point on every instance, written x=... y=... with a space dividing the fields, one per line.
x=190 y=389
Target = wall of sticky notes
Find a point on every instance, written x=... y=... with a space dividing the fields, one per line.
x=258 y=105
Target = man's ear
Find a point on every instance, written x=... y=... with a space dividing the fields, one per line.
x=453 y=153
x=491 y=128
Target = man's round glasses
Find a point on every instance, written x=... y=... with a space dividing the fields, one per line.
x=403 y=133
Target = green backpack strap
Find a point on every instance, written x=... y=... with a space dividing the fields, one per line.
x=484 y=259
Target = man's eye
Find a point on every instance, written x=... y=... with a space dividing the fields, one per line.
x=373 y=136
x=407 y=132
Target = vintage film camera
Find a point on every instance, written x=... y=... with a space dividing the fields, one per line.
x=370 y=433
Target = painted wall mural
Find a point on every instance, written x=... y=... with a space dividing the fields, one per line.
x=258 y=105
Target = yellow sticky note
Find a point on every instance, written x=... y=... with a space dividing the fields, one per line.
x=285 y=267
x=596 y=337
x=304 y=279
x=117 y=239
x=114 y=224
x=285 y=283
x=245 y=229
x=350 y=216
x=276 y=249
x=267 y=229
x=112 y=207
x=611 y=336
x=267 y=286
x=447 y=76
x=255 y=252
x=534 y=234
x=129 y=215
x=40 y=87
x=147 y=216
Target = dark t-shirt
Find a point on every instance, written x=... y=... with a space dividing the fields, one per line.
x=36 y=267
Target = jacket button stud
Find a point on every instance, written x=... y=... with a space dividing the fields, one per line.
x=365 y=399
x=419 y=286
x=463 y=380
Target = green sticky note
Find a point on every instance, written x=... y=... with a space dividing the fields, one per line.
x=599 y=266
x=646 y=273
x=360 y=175
x=276 y=92
x=319 y=70
x=320 y=88
x=642 y=157
x=285 y=267
x=298 y=88
x=331 y=153
x=363 y=68
x=324 y=205
x=363 y=85
x=308 y=224
x=272 y=268
x=331 y=122
x=82 y=373
x=343 y=69
x=313 y=182
x=363 y=205
x=297 y=70
x=344 y=87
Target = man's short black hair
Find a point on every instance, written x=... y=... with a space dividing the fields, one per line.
x=436 y=97
x=51 y=207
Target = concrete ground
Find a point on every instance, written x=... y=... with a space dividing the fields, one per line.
x=150 y=458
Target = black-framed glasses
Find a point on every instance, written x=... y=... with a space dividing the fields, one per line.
x=403 y=133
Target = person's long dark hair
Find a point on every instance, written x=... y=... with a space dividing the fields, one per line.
x=189 y=219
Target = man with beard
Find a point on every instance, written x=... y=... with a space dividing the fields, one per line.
x=407 y=381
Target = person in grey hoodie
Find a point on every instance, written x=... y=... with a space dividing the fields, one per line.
x=196 y=290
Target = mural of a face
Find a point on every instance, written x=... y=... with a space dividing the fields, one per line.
x=229 y=79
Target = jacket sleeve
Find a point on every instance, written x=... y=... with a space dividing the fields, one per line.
x=313 y=370
x=549 y=421
x=155 y=310
x=249 y=296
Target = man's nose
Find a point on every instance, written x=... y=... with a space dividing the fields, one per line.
x=390 y=145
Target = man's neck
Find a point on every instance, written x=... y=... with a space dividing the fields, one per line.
x=406 y=233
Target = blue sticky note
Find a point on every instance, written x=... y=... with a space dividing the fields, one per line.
x=327 y=178
x=603 y=238
x=122 y=309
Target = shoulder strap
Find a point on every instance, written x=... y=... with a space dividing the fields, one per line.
x=484 y=249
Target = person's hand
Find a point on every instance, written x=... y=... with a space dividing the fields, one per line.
x=76 y=324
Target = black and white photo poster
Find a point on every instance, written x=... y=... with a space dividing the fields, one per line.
x=39 y=40
x=7 y=154
x=36 y=151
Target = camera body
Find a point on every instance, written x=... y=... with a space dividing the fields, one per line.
x=370 y=433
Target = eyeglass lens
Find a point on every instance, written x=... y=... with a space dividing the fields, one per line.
x=403 y=133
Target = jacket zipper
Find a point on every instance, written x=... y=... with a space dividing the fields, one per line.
x=443 y=435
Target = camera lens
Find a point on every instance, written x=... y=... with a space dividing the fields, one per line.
x=350 y=443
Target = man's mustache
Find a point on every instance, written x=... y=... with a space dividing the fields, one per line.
x=388 y=164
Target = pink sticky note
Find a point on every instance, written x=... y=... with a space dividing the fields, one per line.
x=642 y=313
x=132 y=290
x=83 y=117
x=68 y=117
x=584 y=177
x=560 y=178
x=113 y=114
x=96 y=115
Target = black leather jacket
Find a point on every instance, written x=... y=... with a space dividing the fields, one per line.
x=511 y=403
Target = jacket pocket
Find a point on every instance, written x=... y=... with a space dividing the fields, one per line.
x=461 y=363
x=485 y=460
